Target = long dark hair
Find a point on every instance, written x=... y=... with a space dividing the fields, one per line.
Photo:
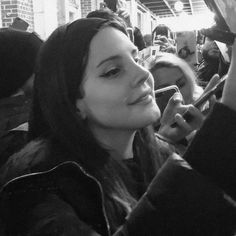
x=61 y=65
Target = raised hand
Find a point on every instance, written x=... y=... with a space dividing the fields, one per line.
x=172 y=113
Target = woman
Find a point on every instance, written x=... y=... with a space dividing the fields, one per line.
x=168 y=69
x=88 y=170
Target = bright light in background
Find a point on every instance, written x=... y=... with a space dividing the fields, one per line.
x=186 y=22
x=179 y=6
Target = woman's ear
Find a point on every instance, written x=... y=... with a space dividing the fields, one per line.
x=80 y=108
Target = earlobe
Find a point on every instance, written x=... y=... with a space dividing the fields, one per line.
x=80 y=108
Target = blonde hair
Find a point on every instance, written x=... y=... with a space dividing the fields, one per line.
x=164 y=59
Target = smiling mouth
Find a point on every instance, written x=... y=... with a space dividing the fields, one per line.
x=146 y=98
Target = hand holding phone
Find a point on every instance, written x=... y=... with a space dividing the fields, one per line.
x=204 y=98
x=163 y=96
x=176 y=106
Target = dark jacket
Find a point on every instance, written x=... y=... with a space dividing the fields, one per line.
x=66 y=200
x=14 y=112
x=206 y=70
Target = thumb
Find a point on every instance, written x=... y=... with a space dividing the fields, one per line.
x=212 y=83
x=175 y=101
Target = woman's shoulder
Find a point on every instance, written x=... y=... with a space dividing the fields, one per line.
x=67 y=184
x=25 y=161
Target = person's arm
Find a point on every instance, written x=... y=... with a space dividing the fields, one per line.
x=179 y=201
x=213 y=151
x=229 y=92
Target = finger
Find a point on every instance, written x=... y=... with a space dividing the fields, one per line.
x=182 y=124
x=125 y=15
x=120 y=10
x=175 y=101
x=164 y=39
x=159 y=42
x=212 y=83
x=209 y=105
x=212 y=101
x=177 y=98
x=197 y=117
x=122 y=13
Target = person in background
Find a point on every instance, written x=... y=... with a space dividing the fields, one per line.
x=120 y=8
x=18 y=52
x=163 y=37
x=148 y=40
x=138 y=39
x=106 y=13
x=19 y=24
x=91 y=168
x=212 y=62
x=168 y=69
x=162 y=30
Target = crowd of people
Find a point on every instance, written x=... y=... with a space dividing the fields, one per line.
x=84 y=148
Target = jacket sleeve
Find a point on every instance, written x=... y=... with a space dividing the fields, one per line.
x=185 y=201
x=180 y=201
x=213 y=150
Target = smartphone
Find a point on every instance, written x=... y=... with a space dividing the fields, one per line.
x=163 y=96
x=199 y=102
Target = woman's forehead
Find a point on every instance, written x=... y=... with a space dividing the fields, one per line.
x=108 y=42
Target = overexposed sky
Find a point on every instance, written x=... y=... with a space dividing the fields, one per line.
x=186 y=22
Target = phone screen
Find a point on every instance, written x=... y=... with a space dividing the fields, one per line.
x=163 y=96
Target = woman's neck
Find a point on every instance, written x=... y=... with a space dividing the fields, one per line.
x=118 y=142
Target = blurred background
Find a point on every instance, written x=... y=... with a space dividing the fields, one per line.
x=43 y=16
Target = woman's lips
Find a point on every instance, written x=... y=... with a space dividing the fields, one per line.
x=143 y=98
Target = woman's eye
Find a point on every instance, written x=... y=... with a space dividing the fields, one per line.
x=111 y=73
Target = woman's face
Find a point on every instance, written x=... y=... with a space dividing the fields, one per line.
x=118 y=92
x=167 y=76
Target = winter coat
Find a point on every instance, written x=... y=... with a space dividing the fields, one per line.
x=14 y=111
x=66 y=200
x=206 y=70
x=14 y=115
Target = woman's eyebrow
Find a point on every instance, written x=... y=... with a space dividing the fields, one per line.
x=108 y=59
x=134 y=51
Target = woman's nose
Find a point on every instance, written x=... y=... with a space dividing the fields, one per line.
x=140 y=76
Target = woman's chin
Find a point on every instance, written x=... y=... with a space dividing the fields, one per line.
x=154 y=117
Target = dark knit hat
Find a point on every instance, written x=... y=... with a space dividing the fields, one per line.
x=18 y=51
